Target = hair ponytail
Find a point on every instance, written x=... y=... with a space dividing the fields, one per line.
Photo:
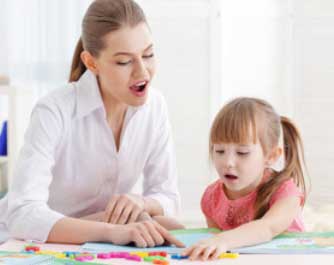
x=293 y=169
x=293 y=153
x=78 y=67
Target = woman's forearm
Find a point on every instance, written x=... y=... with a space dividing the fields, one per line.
x=77 y=231
x=153 y=207
x=94 y=217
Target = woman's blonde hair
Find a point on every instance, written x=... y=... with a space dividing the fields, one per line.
x=102 y=17
x=245 y=120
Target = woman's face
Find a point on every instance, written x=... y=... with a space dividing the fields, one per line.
x=126 y=66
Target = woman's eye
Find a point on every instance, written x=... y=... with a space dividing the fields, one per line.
x=220 y=152
x=148 y=56
x=124 y=63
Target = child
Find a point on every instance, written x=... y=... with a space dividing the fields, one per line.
x=252 y=199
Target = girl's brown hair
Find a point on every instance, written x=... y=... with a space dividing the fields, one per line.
x=247 y=119
x=102 y=17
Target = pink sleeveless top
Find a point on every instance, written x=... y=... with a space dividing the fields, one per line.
x=229 y=214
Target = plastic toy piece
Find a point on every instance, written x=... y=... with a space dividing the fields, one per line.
x=158 y=253
x=32 y=248
x=103 y=256
x=160 y=262
x=134 y=258
x=228 y=256
x=178 y=256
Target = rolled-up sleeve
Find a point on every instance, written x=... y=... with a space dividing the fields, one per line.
x=29 y=216
x=160 y=172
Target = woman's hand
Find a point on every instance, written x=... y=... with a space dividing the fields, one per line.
x=124 y=209
x=142 y=234
x=206 y=249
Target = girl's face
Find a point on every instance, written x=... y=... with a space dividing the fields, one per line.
x=240 y=167
x=126 y=66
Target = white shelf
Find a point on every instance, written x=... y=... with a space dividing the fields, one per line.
x=3 y=159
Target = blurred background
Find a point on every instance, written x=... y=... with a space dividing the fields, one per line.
x=208 y=51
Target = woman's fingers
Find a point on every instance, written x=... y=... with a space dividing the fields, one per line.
x=117 y=211
x=123 y=219
x=138 y=239
x=156 y=236
x=135 y=214
x=168 y=236
x=110 y=208
x=122 y=209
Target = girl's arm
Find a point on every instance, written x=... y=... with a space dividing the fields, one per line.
x=275 y=221
x=210 y=223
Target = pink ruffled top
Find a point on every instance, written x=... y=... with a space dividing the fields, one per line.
x=229 y=214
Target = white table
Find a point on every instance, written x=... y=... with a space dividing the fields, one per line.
x=16 y=245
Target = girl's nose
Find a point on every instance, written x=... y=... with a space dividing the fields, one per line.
x=229 y=162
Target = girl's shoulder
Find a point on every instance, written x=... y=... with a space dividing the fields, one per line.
x=286 y=189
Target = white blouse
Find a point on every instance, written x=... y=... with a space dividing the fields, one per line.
x=69 y=164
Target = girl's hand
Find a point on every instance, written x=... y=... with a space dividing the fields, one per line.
x=206 y=249
x=124 y=209
x=142 y=234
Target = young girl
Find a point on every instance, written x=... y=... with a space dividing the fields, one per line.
x=252 y=199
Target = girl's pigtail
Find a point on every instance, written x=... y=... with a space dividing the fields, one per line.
x=293 y=169
x=293 y=153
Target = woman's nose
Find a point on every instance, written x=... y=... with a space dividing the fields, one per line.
x=140 y=71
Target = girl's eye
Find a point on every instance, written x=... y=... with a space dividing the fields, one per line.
x=124 y=63
x=243 y=153
x=220 y=152
x=148 y=56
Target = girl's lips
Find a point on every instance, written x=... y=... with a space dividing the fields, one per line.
x=230 y=177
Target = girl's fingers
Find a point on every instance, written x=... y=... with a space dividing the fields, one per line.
x=196 y=253
x=217 y=253
x=207 y=253
x=188 y=251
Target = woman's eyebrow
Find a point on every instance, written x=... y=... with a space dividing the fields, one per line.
x=129 y=53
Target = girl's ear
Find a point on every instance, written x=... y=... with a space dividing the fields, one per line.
x=89 y=61
x=274 y=156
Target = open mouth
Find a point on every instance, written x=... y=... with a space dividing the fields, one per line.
x=139 y=87
x=230 y=177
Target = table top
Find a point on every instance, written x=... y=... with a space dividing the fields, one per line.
x=17 y=245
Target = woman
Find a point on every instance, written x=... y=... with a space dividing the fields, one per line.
x=88 y=143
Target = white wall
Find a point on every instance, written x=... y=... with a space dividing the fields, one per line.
x=257 y=38
x=183 y=33
x=314 y=68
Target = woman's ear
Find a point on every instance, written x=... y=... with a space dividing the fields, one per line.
x=273 y=156
x=89 y=61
